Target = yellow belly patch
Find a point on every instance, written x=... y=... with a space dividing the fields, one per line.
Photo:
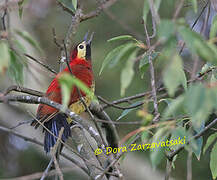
x=78 y=107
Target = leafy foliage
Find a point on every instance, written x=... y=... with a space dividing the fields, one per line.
x=69 y=4
x=67 y=81
x=190 y=105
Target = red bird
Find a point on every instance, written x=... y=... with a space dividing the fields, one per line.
x=81 y=68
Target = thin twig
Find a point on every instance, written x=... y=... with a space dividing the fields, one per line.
x=154 y=13
x=21 y=123
x=54 y=151
x=95 y=13
x=119 y=123
x=39 y=62
x=3 y=19
x=119 y=107
x=151 y=67
x=45 y=173
x=23 y=90
x=55 y=39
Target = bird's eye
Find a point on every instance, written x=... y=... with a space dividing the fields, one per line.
x=81 y=47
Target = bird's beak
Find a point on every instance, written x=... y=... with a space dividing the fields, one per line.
x=86 y=36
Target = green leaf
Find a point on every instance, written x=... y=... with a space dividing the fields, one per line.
x=69 y=4
x=206 y=67
x=197 y=45
x=115 y=55
x=127 y=111
x=179 y=133
x=198 y=143
x=4 y=57
x=122 y=37
x=166 y=30
x=157 y=153
x=213 y=160
x=174 y=107
x=174 y=75
x=110 y=56
x=20 y=5
x=144 y=136
x=213 y=30
x=16 y=67
x=27 y=37
x=199 y=103
x=74 y=3
x=121 y=54
x=143 y=63
x=67 y=81
x=213 y=78
x=127 y=73
x=146 y=8
x=194 y=3
x=156 y=156
x=209 y=141
x=157 y=4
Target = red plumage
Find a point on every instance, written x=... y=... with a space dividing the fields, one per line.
x=81 y=68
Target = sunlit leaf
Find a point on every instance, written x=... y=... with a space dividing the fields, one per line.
x=121 y=54
x=127 y=73
x=4 y=57
x=74 y=3
x=213 y=160
x=209 y=141
x=115 y=55
x=67 y=81
x=174 y=75
x=122 y=37
x=69 y=4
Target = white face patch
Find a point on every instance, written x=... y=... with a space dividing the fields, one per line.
x=81 y=48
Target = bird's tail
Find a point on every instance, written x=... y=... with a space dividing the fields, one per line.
x=54 y=125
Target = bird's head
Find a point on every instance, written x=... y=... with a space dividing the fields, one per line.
x=82 y=50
